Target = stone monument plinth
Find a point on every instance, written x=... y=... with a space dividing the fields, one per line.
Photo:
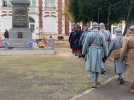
x=20 y=34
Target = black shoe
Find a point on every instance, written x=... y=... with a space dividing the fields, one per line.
x=94 y=85
x=118 y=79
x=103 y=72
x=122 y=81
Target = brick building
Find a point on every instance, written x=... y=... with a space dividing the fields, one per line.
x=46 y=17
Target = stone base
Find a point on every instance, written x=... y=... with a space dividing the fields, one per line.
x=19 y=37
x=18 y=43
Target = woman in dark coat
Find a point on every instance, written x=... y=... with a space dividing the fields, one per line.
x=74 y=40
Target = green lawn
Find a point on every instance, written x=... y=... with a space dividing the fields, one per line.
x=52 y=77
x=57 y=77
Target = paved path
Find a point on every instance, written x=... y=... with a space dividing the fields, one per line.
x=111 y=91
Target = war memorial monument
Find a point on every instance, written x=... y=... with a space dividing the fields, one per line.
x=20 y=34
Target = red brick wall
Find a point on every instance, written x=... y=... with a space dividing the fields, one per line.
x=60 y=16
x=66 y=20
x=40 y=14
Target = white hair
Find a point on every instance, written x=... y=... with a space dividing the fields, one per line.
x=95 y=25
x=118 y=32
x=102 y=26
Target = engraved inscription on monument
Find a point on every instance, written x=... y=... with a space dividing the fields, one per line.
x=20 y=17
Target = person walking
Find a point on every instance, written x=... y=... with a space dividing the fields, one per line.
x=114 y=49
x=92 y=49
x=105 y=33
x=128 y=51
x=74 y=40
x=107 y=36
x=83 y=36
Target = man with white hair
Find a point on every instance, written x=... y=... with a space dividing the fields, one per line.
x=105 y=33
x=84 y=34
x=115 y=47
x=92 y=49
x=107 y=36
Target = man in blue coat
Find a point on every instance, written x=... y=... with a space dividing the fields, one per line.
x=93 y=46
x=116 y=44
x=107 y=36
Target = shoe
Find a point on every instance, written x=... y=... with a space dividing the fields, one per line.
x=98 y=83
x=118 y=79
x=103 y=72
x=94 y=85
x=122 y=81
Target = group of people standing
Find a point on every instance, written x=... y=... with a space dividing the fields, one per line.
x=96 y=45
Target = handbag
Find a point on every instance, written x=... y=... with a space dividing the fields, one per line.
x=116 y=54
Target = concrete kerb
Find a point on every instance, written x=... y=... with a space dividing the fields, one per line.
x=7 y=52
x=90 y=90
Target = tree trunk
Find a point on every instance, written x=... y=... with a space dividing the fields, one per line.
x=128 y=22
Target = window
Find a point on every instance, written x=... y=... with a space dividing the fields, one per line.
x=32 y=27
x=6 y=3
x=33 y=3
x=31 y=24
x=50 y=24
x=20 y=35
x=50 y=4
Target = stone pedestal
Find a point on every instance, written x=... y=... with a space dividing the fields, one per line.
x=20 y=34
x=19 y=37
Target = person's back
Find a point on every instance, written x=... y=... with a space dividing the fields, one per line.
x=72 y=38
x=128 y=51
x=92 y=49
x=130 y=42
x=97 y=38
x=114 y=51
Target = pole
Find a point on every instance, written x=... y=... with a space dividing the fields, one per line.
x=108 y=17
x=127 y=20
x=98 y=15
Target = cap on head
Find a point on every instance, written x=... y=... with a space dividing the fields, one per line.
x=95 y=25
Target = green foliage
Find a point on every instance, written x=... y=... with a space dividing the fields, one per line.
x=107 y=11
x=74 y=7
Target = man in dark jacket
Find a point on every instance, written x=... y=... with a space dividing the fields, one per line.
x=74 y=39
x=6 y=34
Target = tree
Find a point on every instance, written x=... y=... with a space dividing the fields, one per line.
x=107 y=11
x=74 y=7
